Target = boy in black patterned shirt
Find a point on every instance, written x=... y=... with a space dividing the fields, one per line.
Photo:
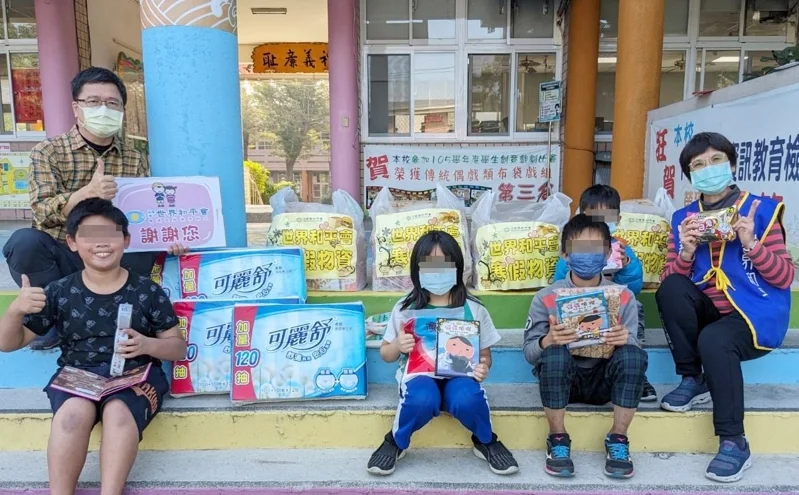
x=83 y=308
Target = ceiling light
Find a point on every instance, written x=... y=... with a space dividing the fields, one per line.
x=727 y=59
x=607 y=60
x=269 y=10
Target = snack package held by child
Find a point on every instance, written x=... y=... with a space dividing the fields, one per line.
x=332 y=237
x=615 y=261
x=298 y=352
x=124 y=315
x=591 y=312
x=165 y=273
x=644 y=227
x=516 y=244
x=262 y=273
x=396 y=230
x=457 y=347
x=587 y=314
x=716 y=225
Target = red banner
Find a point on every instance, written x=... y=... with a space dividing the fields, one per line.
x=27 y=96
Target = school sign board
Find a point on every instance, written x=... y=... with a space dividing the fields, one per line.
x=766 y=135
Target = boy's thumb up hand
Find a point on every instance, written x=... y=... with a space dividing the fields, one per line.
x=26 y=282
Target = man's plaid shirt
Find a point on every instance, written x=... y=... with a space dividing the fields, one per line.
x=66 y=163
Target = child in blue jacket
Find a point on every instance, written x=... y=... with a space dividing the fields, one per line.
x=604 y=204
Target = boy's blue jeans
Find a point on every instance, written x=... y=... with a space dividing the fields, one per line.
x=422 y=398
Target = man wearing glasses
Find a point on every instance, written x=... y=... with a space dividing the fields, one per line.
x=69 y=168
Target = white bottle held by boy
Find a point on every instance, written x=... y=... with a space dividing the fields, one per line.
x=123 y=321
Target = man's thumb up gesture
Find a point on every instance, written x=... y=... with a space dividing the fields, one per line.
x=102 y=186
x=30 y=300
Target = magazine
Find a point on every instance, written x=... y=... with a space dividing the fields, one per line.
x=95 y=387
x=457 y=347
x=587 y=314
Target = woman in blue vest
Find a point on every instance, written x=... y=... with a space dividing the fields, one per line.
x=724 y=302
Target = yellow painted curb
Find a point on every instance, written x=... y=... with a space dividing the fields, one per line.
x=650 y=431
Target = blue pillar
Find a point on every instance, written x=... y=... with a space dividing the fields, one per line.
x=191 y=82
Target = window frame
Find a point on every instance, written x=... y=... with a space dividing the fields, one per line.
x=8 y=47
x=693 y=42
x=462 y=48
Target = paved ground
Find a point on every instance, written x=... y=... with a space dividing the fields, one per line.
x=445 y=471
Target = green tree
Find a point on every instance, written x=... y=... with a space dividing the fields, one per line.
x=292 y=115
x=252 y=117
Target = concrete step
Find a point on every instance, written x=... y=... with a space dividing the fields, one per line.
x=440 y=472
x=29 y=369
x=212 y=422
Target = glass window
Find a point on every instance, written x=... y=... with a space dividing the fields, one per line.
x=20 y=20
x=720 y=70
x=389 y=95
x=766 y=18
x=754 y=63
x=605 y=90
x=487 y=19
x=433 y=19
x=434 y=93
x=675 y=18
x=27 y=87
x=387 y=20
x=672 y=84
x=533 y=19
x=719 y=17
x=672 y=78
x=320 y=185
x=609 y=19
x=489 y=94
x=5 y=97
x=531 y=70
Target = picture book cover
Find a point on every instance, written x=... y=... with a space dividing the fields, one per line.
x=587 y=314
x=93 y=386
x=457 y=347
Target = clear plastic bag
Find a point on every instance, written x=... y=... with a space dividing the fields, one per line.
x=516 y=244
x=332 y=236
x=644 y=226
x=396 y=230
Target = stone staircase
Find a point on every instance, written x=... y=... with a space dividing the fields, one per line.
x=206 y=445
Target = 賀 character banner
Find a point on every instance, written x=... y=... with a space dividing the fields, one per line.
x=163 y=211
x=766 y=138
x=512 y=172
x=295 y=352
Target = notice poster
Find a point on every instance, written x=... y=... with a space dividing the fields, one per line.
x=166 y=210
x=513 y=172
x=14 y=173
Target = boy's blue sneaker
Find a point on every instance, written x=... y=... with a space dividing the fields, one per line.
x=559 y=462
x=690 y=392
x=730 y=463
x=618 y=463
